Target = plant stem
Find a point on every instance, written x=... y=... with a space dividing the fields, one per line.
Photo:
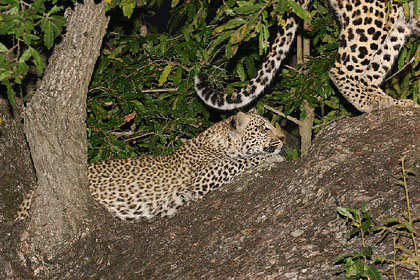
x=413 y=238
x=394 y=263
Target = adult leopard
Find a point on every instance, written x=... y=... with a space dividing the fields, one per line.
x=371 y=37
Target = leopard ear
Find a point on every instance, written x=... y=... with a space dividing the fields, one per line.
x=237 y=124
x=253 y=110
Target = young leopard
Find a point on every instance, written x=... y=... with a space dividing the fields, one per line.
x=371 y=37
x=158 y=185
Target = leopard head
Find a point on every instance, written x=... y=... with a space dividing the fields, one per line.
x=252 y=134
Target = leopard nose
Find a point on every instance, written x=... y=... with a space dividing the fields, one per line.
x=282 y=139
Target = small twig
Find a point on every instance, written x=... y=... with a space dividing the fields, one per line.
x=138 y=136
x=160 y=90
x=402 y=69
x=292 y=119
x=102 y=89
x=122 y=134
x=173 y=63
x=289 y=67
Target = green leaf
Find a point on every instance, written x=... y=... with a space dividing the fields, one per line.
x=103 y=64
x=163 y=43
x=55 y=9
x=27 y=38
x=164 y=76
x=128 y=7
x=408 y=226
x=402 y=58
x=354 y=231
x=244 y=10
x=140 y=108
x=391 y=221
x=25 y=56
x=234 y=23
x=373 y=273
x=220 y=28
x=58 y=24
x=219 y=40
x=332 y=104
x=366 y=224
x=231 y=50
x=367 y=252
x=342 y=257
x=410 y=171
x=250 y=67
x=241 y=72
x=37 y=60
x=364 y=207
x=238 y=35
x=263 y=39
x=299 y=11
x=178 y=76
x=10 y=93
x=4 y=74
x=344 y=212
x=3 y=48
x=174 y=3
x=46 y=27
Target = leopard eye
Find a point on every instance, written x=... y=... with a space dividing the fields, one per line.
x=264 y=127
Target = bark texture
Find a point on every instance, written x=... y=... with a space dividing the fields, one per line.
x=270 y=224
x=56 y=133
x=17 y=175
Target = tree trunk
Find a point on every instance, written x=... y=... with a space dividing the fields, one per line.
x=56 y=132
x=17 y=174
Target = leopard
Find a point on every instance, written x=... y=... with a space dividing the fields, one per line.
x=371 y=37
x=158 y=185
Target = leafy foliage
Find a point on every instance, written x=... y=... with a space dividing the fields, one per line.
x=358 y=265
x=25 y=27
x=142 y=100
x=406 y=82
x=143 y=90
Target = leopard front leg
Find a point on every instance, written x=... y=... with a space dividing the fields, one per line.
x=217 y=173
x=364 y=95
x=366 y=98
x=368 y=47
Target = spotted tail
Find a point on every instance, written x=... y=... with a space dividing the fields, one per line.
x=256 y=86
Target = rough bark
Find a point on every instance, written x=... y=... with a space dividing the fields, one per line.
x=17 y=175
x=56 y=133
x=271 y=224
